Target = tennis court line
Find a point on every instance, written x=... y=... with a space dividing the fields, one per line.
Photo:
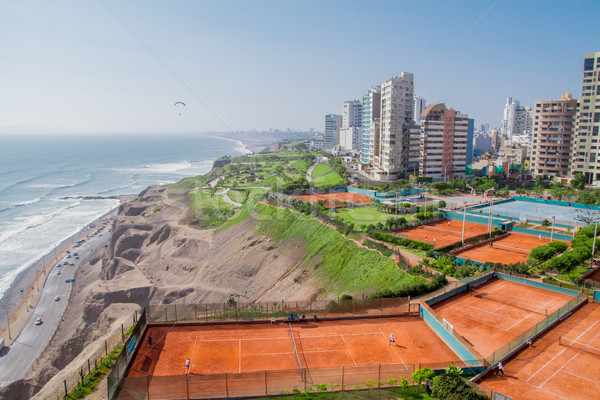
x=581 y=377
x=558 y=370
x=562 y=351
x=348 y=349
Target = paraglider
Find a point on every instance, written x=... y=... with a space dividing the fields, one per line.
x=178 y=105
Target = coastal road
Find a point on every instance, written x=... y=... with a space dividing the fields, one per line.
x=17 y=360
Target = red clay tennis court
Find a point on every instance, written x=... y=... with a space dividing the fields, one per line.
x=251 y=354
x=494 y=313
x=549 y=369
x=441 y=233
x=508 y=249
x=336 y=199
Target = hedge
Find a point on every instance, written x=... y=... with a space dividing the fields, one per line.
x=414 y=244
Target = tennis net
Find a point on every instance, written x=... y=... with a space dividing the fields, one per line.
x=579 y=346
x=295 y=350
x=445 y=231
x=513 y=303
x=509 y=248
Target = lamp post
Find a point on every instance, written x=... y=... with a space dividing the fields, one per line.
x=552 y=233
x=594 y=243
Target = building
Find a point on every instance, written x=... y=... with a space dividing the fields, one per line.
x=516 y=120
x=554 y=127
x=397 y=128
x=513 y=153
x=350 y=132
x=586 y=157
x=497 y=139
x=333 y=123
x=483 y=142
x=317 y=143
x=470 y=137
x=443 y=142
x=420 y=105
x=371 y=110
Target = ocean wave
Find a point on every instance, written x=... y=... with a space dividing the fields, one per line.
x=156 y=168
x=240 y=148
x=26 y=202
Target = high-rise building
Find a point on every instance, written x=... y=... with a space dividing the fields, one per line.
x=396 y=124
x=586 y=155
x=554 y=128
x=443 y=142
x=483 y=142
x=420 y=105
x=333 y=123
x=350 y=132
x=371 y=111
x=516 y=120
x=470 y=137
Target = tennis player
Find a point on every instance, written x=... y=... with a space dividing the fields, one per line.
x=391 y=339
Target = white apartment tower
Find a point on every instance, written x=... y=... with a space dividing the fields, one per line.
x=586 y=156
x=444 y=135
x=392 y=155
x=371 y=109
x=350 y=132
x=516 y=120
x=420 y=105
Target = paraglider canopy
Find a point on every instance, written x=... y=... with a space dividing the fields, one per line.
x=179 y=104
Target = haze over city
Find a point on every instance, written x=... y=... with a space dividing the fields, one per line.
x=108 y=66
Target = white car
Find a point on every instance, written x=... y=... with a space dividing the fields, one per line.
x=57 y=298
x=38 y=321
x=58 y=272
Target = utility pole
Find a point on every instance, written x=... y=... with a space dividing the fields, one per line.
x=594 y=245
x=463 y=227
x=8 y=323
x=552 y=233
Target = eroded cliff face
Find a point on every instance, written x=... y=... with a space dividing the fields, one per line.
x=152 y=258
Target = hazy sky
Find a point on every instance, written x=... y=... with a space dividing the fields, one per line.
x=119 y=66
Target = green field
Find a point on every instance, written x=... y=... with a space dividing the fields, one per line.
x=362 y=215
x=207 y=210
x=320 y=169
x=341 y=265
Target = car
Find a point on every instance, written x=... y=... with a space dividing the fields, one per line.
x=38 y=321
x=57 y=298
x=66 y=263
x=68 y=251
x=72 y=264
x=77 y=257
x=76 y=254
x=68 y=256
x=57 y=272
x=58 y=265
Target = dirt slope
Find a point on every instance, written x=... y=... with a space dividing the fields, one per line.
x=151 y=258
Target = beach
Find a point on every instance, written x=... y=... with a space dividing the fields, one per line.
x=29 y=284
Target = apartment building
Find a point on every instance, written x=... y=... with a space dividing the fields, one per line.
x=443 y=148
x=554 y=127
x=333 y=123
x=586 y=155
x=350 y=132
x=396 y=124
x=371 y=110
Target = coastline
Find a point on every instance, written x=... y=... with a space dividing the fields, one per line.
x=32 y=280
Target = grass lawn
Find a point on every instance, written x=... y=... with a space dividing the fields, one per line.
x=364 y=215
x=238 y=196
x=329 y=179
x=208 y=211
x=320 y=169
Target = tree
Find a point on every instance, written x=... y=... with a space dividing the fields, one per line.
x=421 y=375
x=450 y=386
x=546 y=223
x=441 y=204
x=579 y=181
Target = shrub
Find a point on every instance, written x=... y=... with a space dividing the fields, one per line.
x=421 y=375
x=450 y=386
x=558 y=246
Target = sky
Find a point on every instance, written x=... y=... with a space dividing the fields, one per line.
x=88 y=66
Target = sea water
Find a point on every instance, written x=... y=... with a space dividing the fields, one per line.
x=46 y=182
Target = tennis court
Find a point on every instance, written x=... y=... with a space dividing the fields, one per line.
x=508 y=249
x=562 y=364
x=497 y=311
x=525 y=210
x=337 y=199
x=441 y=233
x=249 y=354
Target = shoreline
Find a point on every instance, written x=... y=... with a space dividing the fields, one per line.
x=32 y=280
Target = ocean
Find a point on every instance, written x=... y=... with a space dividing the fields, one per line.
x=45 y=179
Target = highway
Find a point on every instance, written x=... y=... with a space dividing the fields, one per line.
x=17 y=360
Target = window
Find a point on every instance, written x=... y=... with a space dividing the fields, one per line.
x=588 y=64
x=597 y=116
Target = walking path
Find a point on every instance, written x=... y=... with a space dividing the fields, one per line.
x=227 y=199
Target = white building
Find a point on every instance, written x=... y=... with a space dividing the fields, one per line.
x=397 y=116
x=516 y=120
x=371 y=110
x=350 y=132
x=420 y=105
